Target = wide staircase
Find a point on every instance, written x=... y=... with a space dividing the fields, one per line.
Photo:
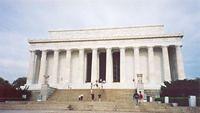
x=106 y=95
x=112 y=100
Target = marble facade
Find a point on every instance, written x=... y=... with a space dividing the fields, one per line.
x=76 y=58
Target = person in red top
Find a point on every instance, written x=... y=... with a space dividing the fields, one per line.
x=140 y=97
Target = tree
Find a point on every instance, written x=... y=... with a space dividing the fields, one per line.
x=181 y=88
x=4 y=82
x=19 y=82
x=14 y=92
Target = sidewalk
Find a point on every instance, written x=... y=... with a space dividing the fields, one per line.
x=60 y=111
x=173 y=110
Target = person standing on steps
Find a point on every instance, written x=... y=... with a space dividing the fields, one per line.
x=140 y=97
x=92 y=94
x=136 y=97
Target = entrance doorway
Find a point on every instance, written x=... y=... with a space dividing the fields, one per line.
x=102 y=66
x=89 y=67
x=116 y=66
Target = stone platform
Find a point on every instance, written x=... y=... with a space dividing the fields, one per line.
x=92 y=107
x=85 y=106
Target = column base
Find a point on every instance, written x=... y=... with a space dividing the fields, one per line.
x=88 y=86
x=44 y=92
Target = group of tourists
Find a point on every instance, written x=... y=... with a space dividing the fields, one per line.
x=93 y=96
x=80 y=97
x=138 y=97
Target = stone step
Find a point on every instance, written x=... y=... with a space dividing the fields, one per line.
x=87 y=106
x=99 y=106
x=106 y=95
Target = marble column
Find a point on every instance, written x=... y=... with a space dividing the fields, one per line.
x=180 y=68
x=122 y=65
x=94 y=76
x=68 y=66
x=109 y=75
x=137 y=63
x=43 y=64
x=32 y=62
x=151 y=70
x=166 y=66
x=81 y=62
x=54 y=78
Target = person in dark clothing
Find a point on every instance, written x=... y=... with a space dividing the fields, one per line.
x=140 y=97
x=92 y=94
x=99 y=97
x=136 y=97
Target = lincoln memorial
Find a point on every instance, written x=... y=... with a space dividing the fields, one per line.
x=118 y=58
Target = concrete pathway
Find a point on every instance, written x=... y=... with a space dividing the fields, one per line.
x=61 y=111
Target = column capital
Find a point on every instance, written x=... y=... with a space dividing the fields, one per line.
x=94 y=49
x=164 y=46
x=135 y=47
x=122 y=48
x=57 y=50
x=150 y=46
x=68 y=49
x=108 y=48
x=178 y=46
x=32 y=51
x=81 y=48
x=45 y=50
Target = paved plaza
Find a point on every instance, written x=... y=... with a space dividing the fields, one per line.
x=59 y=111
x=171 y=110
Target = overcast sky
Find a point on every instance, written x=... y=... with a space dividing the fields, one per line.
x=23 y=19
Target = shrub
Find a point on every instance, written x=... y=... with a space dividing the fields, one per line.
x=181 y=88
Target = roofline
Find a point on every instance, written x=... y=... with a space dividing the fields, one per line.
x=111 y=38
x=92 y=29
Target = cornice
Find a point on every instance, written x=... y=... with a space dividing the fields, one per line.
x=54 y=40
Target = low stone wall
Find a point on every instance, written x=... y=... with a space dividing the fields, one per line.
x=152 y=93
